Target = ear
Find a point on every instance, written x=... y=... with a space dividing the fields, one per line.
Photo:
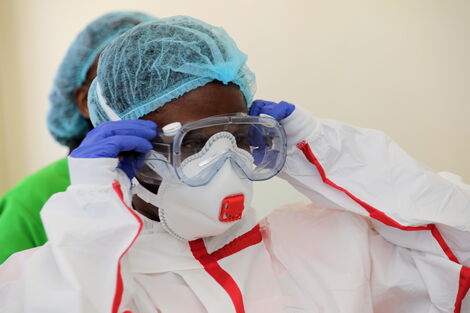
x=81 y=98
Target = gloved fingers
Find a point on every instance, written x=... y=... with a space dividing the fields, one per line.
x=273 y=109
x=130 y=165
x=258 y=155
x=120 y=143
x=288 y=108
x=265 y=107
x=110 y=138
x=257 y=107
x=110 y=147
x=255 y=137
x=265 y=158
x=278 y=111
x=139 y=128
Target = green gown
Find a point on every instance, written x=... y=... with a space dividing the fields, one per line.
x=20 y=224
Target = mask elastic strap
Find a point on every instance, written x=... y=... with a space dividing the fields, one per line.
x=104 y=105
x=142 y=192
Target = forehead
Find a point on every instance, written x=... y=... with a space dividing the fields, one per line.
x=208 y=100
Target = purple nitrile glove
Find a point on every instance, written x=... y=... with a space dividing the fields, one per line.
x=279 y=111
x=111 y=139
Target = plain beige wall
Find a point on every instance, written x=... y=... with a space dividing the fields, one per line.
x=397 y=65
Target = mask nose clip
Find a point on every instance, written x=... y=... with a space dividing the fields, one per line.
x=232 y=208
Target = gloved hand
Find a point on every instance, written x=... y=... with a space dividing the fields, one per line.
x=279 y=111
x=110 y=139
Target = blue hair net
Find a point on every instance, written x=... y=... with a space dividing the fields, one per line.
x=64 y=119
x=161 y=60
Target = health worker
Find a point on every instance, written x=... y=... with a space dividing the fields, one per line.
x=158 y=216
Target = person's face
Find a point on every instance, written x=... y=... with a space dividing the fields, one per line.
x=208 y=100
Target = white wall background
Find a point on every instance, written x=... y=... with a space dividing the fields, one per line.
x=397 y=65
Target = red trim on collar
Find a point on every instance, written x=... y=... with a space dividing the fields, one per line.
x=246 y=240
x=209 y=262
x=213 y=268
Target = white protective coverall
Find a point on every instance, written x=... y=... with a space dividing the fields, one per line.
x=383 y=234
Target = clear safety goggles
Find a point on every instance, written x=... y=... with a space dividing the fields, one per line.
x=196 y=151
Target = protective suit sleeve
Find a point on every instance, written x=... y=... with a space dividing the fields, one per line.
x=365 y=172
x=90 y=226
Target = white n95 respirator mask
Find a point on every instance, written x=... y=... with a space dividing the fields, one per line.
x=188 y=212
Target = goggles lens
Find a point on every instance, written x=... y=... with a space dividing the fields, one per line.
x=255 y=145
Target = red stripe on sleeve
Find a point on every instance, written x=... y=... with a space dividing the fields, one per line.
x=464 y=286
x=437 y=235
x=464 y=281
x=119 y=283
x=373 y=212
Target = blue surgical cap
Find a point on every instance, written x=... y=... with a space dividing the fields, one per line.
x=64 y=119
x=161 y=60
